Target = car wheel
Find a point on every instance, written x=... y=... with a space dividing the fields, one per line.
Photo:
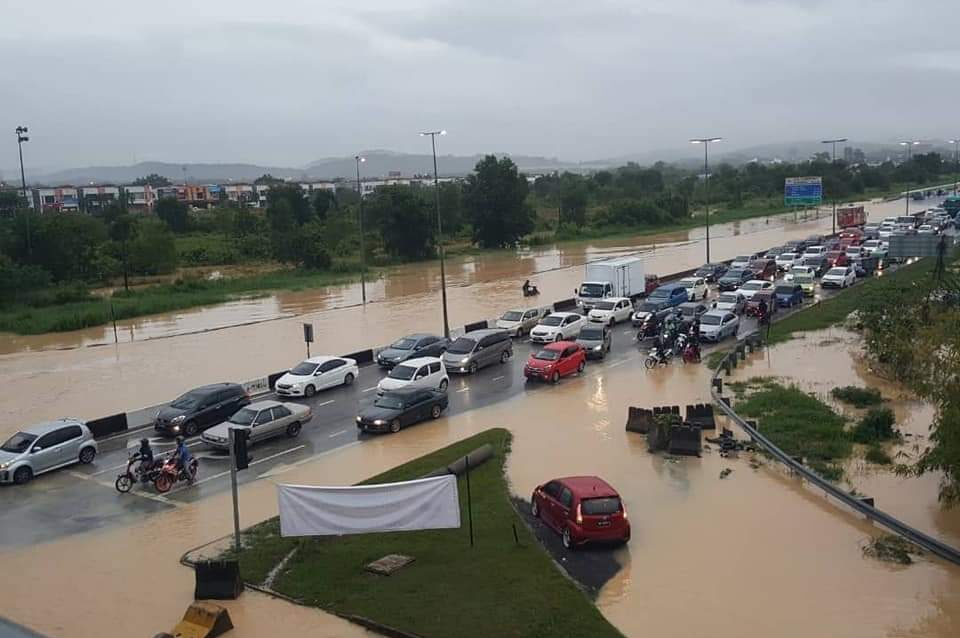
x=435 y=411
x=348 y=380
x=555 y=378
x=22 y=476
x=443 y=385
x=580 y=367
x=190 y=428
x=567 y=539
x=395 y=426
x=309 y=391
x=293 y=429
x=534 y=507
x=87 y=455
x=504 y=356
x=557 y=338
x=473 y=368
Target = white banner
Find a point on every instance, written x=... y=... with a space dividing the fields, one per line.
x=430 y=503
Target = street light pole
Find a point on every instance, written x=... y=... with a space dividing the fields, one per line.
x=363 y=254
x=436 y=190
x=909 y=144
x=834 y=195
x=706 y=181
x=21 y=138
x=956 y=162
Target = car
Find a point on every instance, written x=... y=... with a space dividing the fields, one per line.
x=795 y=246
x=854 y=252
x=200 y=408
x=689 y=312
x=672 y=294
x=396 y=409
x=788 y=295
x=764 y=296
x=786 y=261
x=415 y=345
x=647 y=308
x=711 y=272
x=45 y=447
x=582 y=509
x=871 y=231
x=557 y=326
x=743 y=261
x=886 y=229
x=876 y=248
x=764 y=268
x=865 y=265
x=813 y=240
x=696 y=287
x=772 y=253
x=263 y=419
x=851 y=235
x=817 y=263
x=793 y=272
x=926 y=229
x=731 y=302
x=835 y=243
x=807 y=281
x=596 y=341
x=519 y=322
x=750 y=288
x=734 y=278
x=611 y=310
x=316 y=373
x=422 y=372
x=477 y=349
x=815 y=251
x=717 y=325
x=838 y=277
x=836 y=258
x=556 y=360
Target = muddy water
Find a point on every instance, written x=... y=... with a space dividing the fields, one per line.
x=752 y=555
x=95 y=381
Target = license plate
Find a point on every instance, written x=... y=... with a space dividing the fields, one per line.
x=603 y=523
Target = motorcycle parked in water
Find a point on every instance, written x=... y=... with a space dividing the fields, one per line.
x=137 y=472
x=658 y=357
x=169 y=474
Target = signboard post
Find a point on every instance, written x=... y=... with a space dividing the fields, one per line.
x=308 y=336
x=803 y=191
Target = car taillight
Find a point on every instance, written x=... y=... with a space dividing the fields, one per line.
x=623 y=510
x=579 y=515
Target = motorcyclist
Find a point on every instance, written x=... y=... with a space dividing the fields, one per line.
x=762 y=312
x=182 y=456
x=526 y=288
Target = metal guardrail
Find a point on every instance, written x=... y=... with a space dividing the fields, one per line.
x=885 y=520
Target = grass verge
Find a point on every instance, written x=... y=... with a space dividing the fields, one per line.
x=856 y=396
x=497 y=588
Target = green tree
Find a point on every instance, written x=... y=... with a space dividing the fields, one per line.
x=267 y=178
x=10 y=201
x=312 y=247
x=405 y=220
x=121 y=230
x=573 y=200
x=494 y=196
x=153 y=250
x=152 y=180
x=17 y=280
x=324 y=201
x=295 y=199
x=451 y=207
x=174 y=214
x=65 y=245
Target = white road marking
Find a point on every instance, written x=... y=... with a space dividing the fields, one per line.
x=338 y=433
x=286 y=468
x=320 y=405
x=370 y=389
x=89 y=477
x=219 y=474
x=463 y=389
x=497 y=378
x=618 y=363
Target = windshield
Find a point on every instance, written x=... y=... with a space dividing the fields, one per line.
x=551 y=321
x=784 y=290
x=646 y=306
x=604 y=305
x=18 y=443
x=727 y=299
x=703 y=271
x=734 y=274
x=512 y=315
x=710 y=320
x=389 y=402
x=404 y=373
x=742 y=258
x=803 y=278
x=591 y=290
x=688 y=283
x=688 y=311
x=403 y=344
x=244 y=417
x=839 y=272
x=660 y=292
x=547 y=355
x=787 y=256
x=600 y=506
x=304 y=369
x=751 y=285
x=187 y=401
x=463 y=345
x=591 y=334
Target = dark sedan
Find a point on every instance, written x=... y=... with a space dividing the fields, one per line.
x=411 y=346
x=689 y=313
x=396 y=409
x=764 y=268
x=711 y=272
x=200 y=408
x=820 y=265
x=733 y=279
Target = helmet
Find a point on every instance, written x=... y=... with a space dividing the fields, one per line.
x=179 y=440
x=144 y=441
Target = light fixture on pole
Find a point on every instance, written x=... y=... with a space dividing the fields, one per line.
x=834 y=195
x=909 y=144
x=706 y=141
x=436 y=190
x=21 y=138
x=363 y=255
x=956 y=161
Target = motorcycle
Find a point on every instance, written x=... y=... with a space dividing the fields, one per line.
x=658 y=357
x=137 y=472
x=168 y=475
x=691 y=352
x=648 y=329
x=530 y=291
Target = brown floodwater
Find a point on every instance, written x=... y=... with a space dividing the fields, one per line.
x=755 y=554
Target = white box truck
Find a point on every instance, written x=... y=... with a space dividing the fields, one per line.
x=619 y=277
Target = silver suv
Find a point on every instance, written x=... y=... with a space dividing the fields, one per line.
x=477 y=349
x=44 y=447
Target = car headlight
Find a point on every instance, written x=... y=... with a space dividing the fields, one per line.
x=4 y=466
x=597 y=348
x=465 y=360
x=379 y=422
x=175 y=428
x=178 y=419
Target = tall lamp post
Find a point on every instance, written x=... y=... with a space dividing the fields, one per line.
x=436 y=190
x=956 y=161
x=21 y=138
x=834 y=161
x=909 y=144
x=363 y=254
x=706 y=141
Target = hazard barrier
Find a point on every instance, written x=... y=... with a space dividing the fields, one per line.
x=203 y=620
x=108 y=425
x=639 y=420
x=217 y=580
x=272 y=378
x=476 y=325
x=701 y=414
x=666 y=409
x=880 y=517
x=685 y=439
x=564 y=304
x=362 y=357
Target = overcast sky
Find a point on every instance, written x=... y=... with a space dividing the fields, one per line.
x=289 y=81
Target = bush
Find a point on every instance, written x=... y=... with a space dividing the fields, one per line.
x=858 y=397
x=876 y=454
x=876 y=425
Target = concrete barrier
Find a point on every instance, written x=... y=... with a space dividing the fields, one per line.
x=476 y=325
x=362 y=357
x=108 y=425
x=564 y=305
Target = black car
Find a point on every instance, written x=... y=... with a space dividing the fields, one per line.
x=395 y=409
x=658 y=309
x=733 y=279
x=690 y=312
x=774 y=252
x=416 y=345
x=201 y=408
x=820 y=265
x=711 y=272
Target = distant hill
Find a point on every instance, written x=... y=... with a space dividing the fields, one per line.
x=381 y=163
x=173 y=172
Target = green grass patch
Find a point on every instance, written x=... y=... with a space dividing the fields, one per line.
x=876 y=425
x=857 y=397
x=497 y=588
x=876 y=454
x=715 y=358
x=891 y=549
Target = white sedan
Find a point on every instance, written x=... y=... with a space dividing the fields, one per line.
x=557 y=326
x=317 y=373
x=696 y=287
x=838 y=278
x=611 y=310
x=786 y=261
x=752 y=287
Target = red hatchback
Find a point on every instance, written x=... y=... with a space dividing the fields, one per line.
x=557 y=359
x=582 y=509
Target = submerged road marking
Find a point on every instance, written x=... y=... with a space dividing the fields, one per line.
x=497 y=378
x=369 y=389
x=463 y=389
x=286 y=468
x=330 y=436
x=225 y=473
x=617 y=363
x=320 y=405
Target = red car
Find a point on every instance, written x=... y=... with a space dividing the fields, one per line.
x=764 y=268
x=836 y=258
x=557 y=359
x=582 y=509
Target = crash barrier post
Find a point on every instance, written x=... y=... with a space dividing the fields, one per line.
x=272 y=378
x=203 y=620
x=564 y=304
x=217 y=580
x=257 y=386
x=362 y=357
x=701 y=414
x=476 y=325
x=880 y=517
x=478 y=456
x=718 y=384
x=685 y=439
x=639 y=420
x=108 y=425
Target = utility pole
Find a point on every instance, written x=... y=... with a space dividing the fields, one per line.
x=363 y=254
x=833 y=194
x=21 y=138
x=956 y=162
x=909 y=144
x=233 y=488
x=436 y=189
x=706 y=141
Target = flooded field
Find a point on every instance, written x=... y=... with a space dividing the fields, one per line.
x=755 y=554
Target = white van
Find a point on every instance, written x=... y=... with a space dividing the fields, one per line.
x=422 y=372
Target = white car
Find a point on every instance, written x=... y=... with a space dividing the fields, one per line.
x=740 y=262
x=520 y=322
x=886 y=229
x=786 y=261
x=315 y=374
x=855 y=252
x=730 y=302
x=611 y=310
x=422 y=372
x=815 y=251
x=717 y=325
x=876 y=247
x=926 y=229
x=752 y=287
x=696 y=287
x=798 y=270
x=838 y=277
x=557 y=326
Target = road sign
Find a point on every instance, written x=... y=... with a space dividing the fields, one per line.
x=802 y=191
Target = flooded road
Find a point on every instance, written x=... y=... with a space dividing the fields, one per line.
x=755 y=554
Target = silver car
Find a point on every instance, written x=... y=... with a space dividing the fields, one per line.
x=264 y=419
x=44 y=447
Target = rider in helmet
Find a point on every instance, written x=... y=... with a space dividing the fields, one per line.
x=182 y=455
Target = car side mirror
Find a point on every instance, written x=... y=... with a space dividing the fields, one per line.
x=318 y=373
x=36 y=449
